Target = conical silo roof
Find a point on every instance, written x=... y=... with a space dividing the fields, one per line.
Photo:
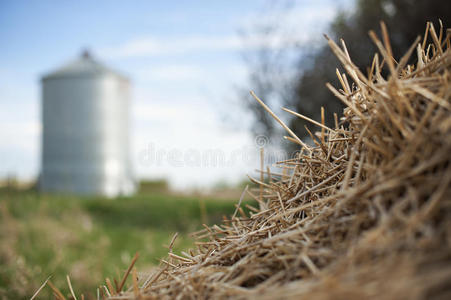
x=85 y=65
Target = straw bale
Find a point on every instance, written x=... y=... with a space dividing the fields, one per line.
x=365 y=213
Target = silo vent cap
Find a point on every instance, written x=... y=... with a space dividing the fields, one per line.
x=86 y=54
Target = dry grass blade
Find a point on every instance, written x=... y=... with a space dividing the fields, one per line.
x=40 y=288
x=308 y=119
x=124 y=279
x=279 y=121
x=135 y=284
x=56 y=292
x=70 y=287
x=241 y=200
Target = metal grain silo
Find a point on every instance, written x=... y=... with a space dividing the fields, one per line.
x=85 y=140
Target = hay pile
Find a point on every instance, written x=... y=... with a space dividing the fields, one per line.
x=364 y=214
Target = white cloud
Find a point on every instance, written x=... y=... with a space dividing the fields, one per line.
x=162 y=126
x=21 y=135
x=19 y=148
x=170 y=72
x=156 y=111
x=155 y=45
x=308 y=17
x=148 y=46
x=298 y=24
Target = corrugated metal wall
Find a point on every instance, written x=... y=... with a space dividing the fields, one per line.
x=85 y=144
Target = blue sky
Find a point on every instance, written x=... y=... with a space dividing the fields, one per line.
x=184 y=59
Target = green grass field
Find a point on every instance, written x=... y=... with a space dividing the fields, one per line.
x=91 y=238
